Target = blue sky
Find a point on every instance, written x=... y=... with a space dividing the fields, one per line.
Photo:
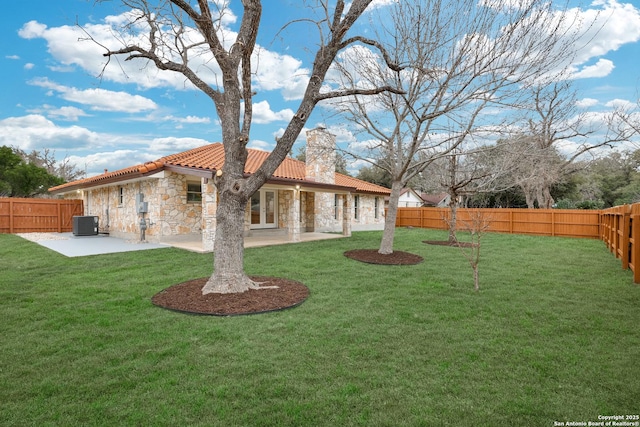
x=52 y=97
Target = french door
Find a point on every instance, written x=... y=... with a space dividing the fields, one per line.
x=264 y=209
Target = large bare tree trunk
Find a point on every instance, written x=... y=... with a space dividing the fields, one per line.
x=228 y=263
x=386 y=245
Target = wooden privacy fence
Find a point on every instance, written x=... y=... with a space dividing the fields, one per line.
x=38 y=215
x=621 y=234
x=543 y=222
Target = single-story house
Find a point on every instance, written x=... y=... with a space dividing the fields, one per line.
x=175 y=196
x=439 y=200
x=409 y=199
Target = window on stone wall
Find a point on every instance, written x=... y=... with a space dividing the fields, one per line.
x=376 y=208
x=120 y=195
x=336 y=206
x=194 y=192
x=356 y=206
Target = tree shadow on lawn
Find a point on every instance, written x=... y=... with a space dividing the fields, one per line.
x=448 y=243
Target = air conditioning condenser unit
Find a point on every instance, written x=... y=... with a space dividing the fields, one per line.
x=85 y=225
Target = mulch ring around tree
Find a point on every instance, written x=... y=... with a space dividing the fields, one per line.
x=448 y=243
x=187 y=297
x=372 y=256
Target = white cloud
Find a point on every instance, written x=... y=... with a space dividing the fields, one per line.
x=602 y=68
x=586 y=103
x=107 y=151
x=505 y=4
x=16 y=57
x=187 y=120
x=35 y=132
x=99 y=99
x=275 y=71
x=70 y=114
x=96 y=163
x=620 y=103
x=172 y=145
x=32 y=30
x=362 y=147
x=70 y=47
x=607 y=25
x=263 y=114
x=29 y=66
x=354 y=166
x=258 y=144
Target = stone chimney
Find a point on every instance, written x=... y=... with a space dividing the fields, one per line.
x=321 y=156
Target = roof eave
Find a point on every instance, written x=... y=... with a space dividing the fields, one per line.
x=190 y=170
x=102 y=182
x=309 y=184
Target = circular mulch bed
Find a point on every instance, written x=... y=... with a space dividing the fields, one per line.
x=448 y=243
x=187 y=297
x=372 y=256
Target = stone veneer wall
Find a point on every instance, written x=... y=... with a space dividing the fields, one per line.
x=177 y=216
x=169 y=213
x=325 y=213
x=366 y=217
x=325 y=219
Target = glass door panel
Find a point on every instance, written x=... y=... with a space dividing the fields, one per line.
x=270 y=208
x=264 y=209
x=255 y=209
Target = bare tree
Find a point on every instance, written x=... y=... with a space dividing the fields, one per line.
x=556 y=134
x=47 y=159
x=477 y=224
x=170 y=34
x=455 y=59
x=460 y=176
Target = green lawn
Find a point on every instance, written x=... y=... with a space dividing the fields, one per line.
x=554 y=335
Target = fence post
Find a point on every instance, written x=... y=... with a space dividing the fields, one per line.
x=510 y=221
x=59 y=215
x=635 y=252
x=624 y=241
x=610 y=236
x=11 y=216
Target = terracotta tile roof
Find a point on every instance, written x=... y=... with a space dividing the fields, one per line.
x=360 y=185
x=211 y=158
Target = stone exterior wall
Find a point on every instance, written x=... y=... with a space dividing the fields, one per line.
x=169 y=214
x=366 y=216
x=286 y=215
x=321 y=156
x=177 y=216
x=308 y=201
x=326 y=221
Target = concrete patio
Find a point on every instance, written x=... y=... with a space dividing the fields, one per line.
x=256 y=239
x=70 y=245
